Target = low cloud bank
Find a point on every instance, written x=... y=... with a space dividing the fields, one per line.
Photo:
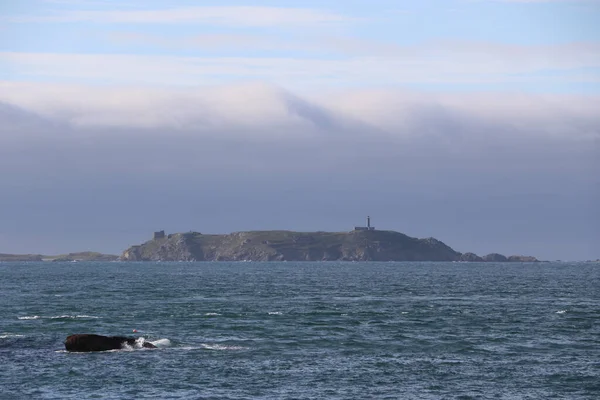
x=484 y=172
x=256 y=111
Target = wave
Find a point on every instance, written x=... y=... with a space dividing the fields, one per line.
x=214 y=346
x=59 y=317
x=9 y=335
x=161 y=343
x=138 y=345
x=166 y=343
x=74 y=316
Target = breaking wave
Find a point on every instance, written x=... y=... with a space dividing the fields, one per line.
x=221 y=347
x=139 y=344
x=8 y=336
x=59 y=317
x=161 y=343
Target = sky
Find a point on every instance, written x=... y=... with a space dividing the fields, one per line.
x=476 y=122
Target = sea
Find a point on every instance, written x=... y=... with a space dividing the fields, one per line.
x=303 y=330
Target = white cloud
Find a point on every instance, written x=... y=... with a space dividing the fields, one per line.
x=81 y=2
x=259 y=111
x=543 y=1
x=435 y=63
x=248 y=16
x=537 y=116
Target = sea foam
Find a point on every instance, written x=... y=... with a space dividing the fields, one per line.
x=160 y=343
x=65 y=316
x=221 y=347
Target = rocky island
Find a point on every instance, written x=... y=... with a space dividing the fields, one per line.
x=362 y=244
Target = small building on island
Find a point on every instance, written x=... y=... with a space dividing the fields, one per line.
x=159 y=235
x=365 y=228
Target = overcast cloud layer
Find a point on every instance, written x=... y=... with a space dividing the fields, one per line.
x=475 y=122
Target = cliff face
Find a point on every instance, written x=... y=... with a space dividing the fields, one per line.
x=177 y=247
x=292 y=246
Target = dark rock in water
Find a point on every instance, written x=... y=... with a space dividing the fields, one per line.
x=471 y=257
x=91 y=342
x=522 y=259
x=495 y=257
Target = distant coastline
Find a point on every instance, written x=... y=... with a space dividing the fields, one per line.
x=361 y=244
x=70 y=257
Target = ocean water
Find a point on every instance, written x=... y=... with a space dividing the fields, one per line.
x=303 y=330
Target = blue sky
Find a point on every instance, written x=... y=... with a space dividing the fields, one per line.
x=473 y=121
x=450 y=44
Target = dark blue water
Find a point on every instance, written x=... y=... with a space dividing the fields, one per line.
x=303 y=330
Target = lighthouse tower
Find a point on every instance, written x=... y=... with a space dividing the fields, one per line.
x=365 y=228
x=369 y=227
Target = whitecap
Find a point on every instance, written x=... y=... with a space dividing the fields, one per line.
x=210 y=314
x=32 y=317
x=221 y=347
x=187 y=348
x=561 y=312
x=8 y=335
x=73 y=316
x=275 y=313
x=137 y=345
x=161 y=343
